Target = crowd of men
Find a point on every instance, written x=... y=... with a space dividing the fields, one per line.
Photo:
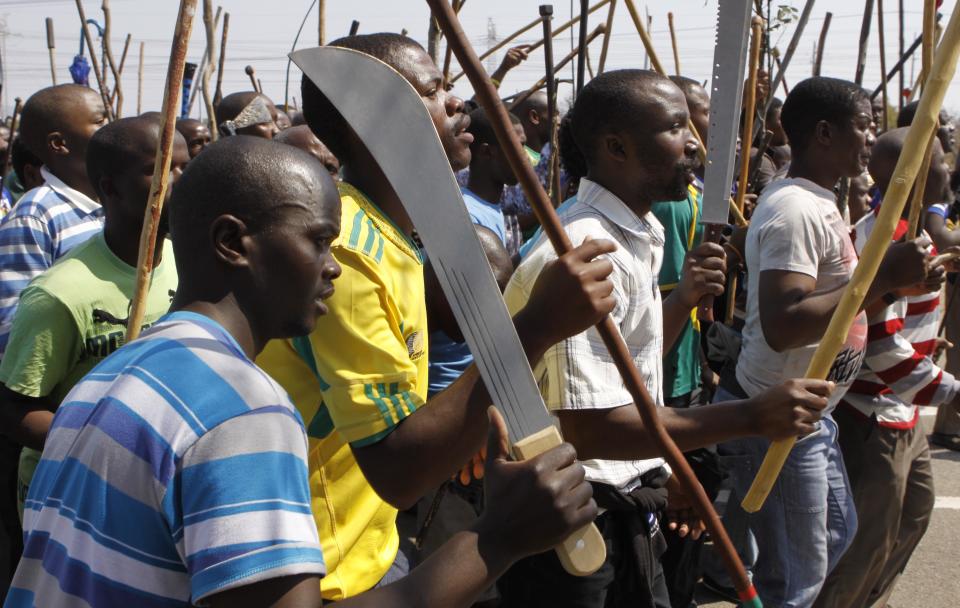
x=302 y=422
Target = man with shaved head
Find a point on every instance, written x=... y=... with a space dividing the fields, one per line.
x=247 y=113
x=885 y=451
x=75 y=314
x=49 y=221
x=302 y=137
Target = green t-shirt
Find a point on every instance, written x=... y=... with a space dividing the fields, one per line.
x=70 y=318
x=683 y=230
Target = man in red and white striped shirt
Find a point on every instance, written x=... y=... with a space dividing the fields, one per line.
x=885 y=452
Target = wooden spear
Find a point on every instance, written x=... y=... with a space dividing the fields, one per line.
x=864 y=38
x=582 y=50
x=883 y=67
x=253 y=78
x=123 y=61
x=658 y=68
x=94 y=62
x=108 y=53
x=567 y=59
x=218 y=95
x=929 y=28
x=606 y=37
x=210 y=27
x=140 y=80
x=51 y=49
x=5 y=165
x=673 y=43
x=821 y=42
x=161 y=166
x=746 y=139
x=908 y=165
x=448 y=54
x=488 y=97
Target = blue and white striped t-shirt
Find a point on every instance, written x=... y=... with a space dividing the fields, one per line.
x=175 y=470
x=44 y=225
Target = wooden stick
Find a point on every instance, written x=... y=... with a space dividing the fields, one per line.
x=354 y=27
x=51 y=49
x=673 y=43
x=161 y=167
x=818 y=62
x=900 y=90
x=140 y=80
x=919 y=189
x=883 y=67
x=94 y=62
x=908 y=165
x=218 y=94
x=864 y=38
x=108 y=53
x=567 y=59
x=448 y=53
x=203 y=66
x=546 y=14
x=210 y=27
x=929 y=29
x=761 y=150
x=582 y=48
x=787 y=57
x=488 y=97
x=8 y=153
x=123 y=61
x=606 y=37
x=749 y=109
x=564 y=27
x=251 y=73
x=322 y=22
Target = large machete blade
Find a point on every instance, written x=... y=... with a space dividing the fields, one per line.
x=388 y=115
x=726 y=98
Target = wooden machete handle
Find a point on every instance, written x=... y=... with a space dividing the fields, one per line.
x=584 y=551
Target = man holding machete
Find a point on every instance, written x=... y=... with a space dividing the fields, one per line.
x=360 y=379
x=627 y=137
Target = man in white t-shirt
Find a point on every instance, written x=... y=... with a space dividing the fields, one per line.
x=799 y=258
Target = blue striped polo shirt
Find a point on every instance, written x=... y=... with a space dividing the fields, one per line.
x=43 y=226
x=176 y=469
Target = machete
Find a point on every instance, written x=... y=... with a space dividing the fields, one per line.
x=425 y=184
x=726 y=97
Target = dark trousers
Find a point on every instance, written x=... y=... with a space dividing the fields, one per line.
x=11 y=535
x=630 y=578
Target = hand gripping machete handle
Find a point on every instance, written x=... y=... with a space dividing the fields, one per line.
x=584 y=551
x=490 y=101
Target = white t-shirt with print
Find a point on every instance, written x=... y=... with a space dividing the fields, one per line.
x=796 y=227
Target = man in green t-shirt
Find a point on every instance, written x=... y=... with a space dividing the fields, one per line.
x=75 y=314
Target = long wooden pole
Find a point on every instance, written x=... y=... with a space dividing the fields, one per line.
x=929 y=29
x=582 y=48
x=210 y=27
x=203 y=66
x=607 y=32
x=787 y=57
x=567 y=59
x=898 y=67
x=218 y=93
x=123 y=61
x=140 y=80
x=322 y=22
x=929 y=32
x=556 y=32
x=51 y=50
x=251 y=73
x=161 y=166
x=94 y=62
x=883 y=68
x=818 y=62
x=902 y=84
x=489 y=99
x=546 y=13
x=908 y=166
x=673 y=43
x=864 y=39
x=108 y=53
x=448 y=53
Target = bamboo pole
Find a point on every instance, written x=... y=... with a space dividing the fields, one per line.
x=161 y=166
x=251 y=73
x=929 y=32
x=448 y=53
x=658 y=68
x=818 y=62
x=607 y=32
x=140 y=80
x=919 y=189
x=567 y=59
x=209 y=26
x=883 y=67
x=928 y=44
x=864 y=38
x=673 y=43
x=218 y=93
x=123 y=61
x=488 y=97
x=51 y=50
x=322 y=22
x=564 y=27
x=94 y=62
x=108 y=53
x=900 y=50
x=908 y=165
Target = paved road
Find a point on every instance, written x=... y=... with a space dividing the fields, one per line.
x=932 y=579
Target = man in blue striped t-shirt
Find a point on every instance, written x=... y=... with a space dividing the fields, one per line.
x=175 y=472
x=49 y=221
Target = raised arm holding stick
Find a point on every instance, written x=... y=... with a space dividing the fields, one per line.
x=161 y=168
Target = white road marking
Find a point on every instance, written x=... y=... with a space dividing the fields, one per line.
x=947 y=502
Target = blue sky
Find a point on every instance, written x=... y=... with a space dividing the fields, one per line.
x=261 y=34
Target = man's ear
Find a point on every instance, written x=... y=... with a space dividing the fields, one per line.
x=231 y=240
x=824 y=132
x=613 y=146
x=534 y=116
x=57 y=143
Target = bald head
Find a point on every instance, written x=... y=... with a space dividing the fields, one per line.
x=302 y=137
x=534 y=115
x=259 y=124
x=60 y=109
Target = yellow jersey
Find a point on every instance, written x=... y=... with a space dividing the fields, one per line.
x=361 y=371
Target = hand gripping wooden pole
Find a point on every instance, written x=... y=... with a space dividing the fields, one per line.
x=51 y=49
x=490 y=101
x=94 y=62
x=908 y=166
x=161 y=167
